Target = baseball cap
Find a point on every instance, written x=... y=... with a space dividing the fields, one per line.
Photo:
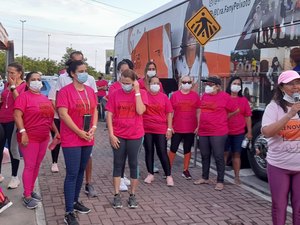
x=212 y=79
x=287 y=76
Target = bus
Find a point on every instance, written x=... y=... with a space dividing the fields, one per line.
x=254 y=42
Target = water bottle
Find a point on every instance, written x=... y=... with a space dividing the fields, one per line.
x=245 y=142
x=54 y=142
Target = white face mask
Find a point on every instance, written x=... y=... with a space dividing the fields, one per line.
x=35 y=85
x=151 y=73
x=288 y=98
x=209 y=89
x=186 y=86
x=154 y=87
x=235 y=88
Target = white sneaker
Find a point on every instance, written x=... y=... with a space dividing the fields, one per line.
x=123 y=186
x=126 y=181
x=149 y=179
x=54 y=168
x=1 y=178
x=155 y=169
x=14 y=183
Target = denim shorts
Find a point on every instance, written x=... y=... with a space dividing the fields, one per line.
x=234 y=143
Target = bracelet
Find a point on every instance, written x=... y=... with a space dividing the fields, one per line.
x=137 y=94
x=94 y=126
x=22 y=131
x=169 y=129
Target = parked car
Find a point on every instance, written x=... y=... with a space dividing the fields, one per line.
x=48 y=83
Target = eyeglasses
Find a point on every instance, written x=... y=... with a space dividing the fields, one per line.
x=186 y=82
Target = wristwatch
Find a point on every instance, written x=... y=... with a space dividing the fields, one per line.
x=12 y=87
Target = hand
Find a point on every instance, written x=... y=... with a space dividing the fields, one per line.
x=249 y=135
x=84 y=135
x=114 y=141
x=92 y=131
x=24 y=139
x=57 y=135
x=136 y=86
x=11 y=81
x=294 y=109
x=169 y=134
x=196 y=130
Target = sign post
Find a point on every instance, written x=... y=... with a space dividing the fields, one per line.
x=204 y=27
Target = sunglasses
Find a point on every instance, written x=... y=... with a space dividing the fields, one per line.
x=186 y=82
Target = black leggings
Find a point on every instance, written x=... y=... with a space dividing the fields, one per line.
x=8 y=131
x=160 y=143
x=128 y=148
x=55 y=151
x=215 y=145
x=188 y=141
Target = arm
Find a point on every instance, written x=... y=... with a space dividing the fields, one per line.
x=94 y=126
x=198 y=120
x=140 y=107
x=18 y=116
x=114 y=141
x=64 y=116
x=249 y=127
x=170 y=129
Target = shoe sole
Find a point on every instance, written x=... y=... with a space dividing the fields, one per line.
x=82 y=212
x=30 y=207
x=118 y=207
x=90 y=195
x=187 y=178
x=132 y=206
x=6 y=207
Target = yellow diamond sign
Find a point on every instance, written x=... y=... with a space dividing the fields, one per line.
x=203 y=26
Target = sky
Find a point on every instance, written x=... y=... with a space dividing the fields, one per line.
x=85 y=25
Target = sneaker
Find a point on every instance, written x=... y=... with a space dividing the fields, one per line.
x=132 y=204
x=123 y=186
x=5 y=204
x=79 y=207
x=155 y=169
x=149 y=178
x=90 y=191
x=117 y=203
x=36 y=197
x=170 y=182
x=186 y=174
x=54 y=168
x=14 y=183
x=70 y=219
x=30 y=203
x=1 y=178
x=126 y=181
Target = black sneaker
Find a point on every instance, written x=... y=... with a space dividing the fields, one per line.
x=79 y=207
x=70 y=219
x=30 y=203
x=132 y=204
x=36 y=196
x=117 y=203
x=186 y=174
x=90 y=191
x=5 y=204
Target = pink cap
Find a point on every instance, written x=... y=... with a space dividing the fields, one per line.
x=288 y=76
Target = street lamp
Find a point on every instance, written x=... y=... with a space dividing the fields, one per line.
x=95 y=59
x=22 y=21
x=48 y=45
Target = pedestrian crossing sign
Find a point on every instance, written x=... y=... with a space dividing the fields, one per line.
x=203 y=26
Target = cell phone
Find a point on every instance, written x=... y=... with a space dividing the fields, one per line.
x=87 y=122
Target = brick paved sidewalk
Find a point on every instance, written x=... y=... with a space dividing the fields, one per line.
x=184 y=203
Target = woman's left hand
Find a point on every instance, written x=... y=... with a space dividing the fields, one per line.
x=92 y=132
x=249 y=135
x=169 y=134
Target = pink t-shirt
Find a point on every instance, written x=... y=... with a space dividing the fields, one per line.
x=142 y=85
x=155 y=117
x=115 y=86
x=101 y=83
x=68 y=97
x=237 y=123
x=283 y=148
x=7 y=107
x=214 y=114
x=38 y=115
x=185 y=111
x=127 y=123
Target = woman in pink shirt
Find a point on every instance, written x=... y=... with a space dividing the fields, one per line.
x=13 y=88
x=280 y=125
x=150 y=71
x=77 y=108
x=34 y=116
x=125 y=126
x=186 y=104
x=237 y=122
x=213 y=128
x=158 y=129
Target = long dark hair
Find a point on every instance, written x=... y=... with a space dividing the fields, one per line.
x=73 y=66
x=228 y=89
x=28 y=76
x=278 y=98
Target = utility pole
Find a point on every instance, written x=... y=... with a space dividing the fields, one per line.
x=22 y=21
x=49 y=45
x=95 y=59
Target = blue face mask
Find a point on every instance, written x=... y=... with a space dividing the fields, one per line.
x=82 y=77
x=127 y=87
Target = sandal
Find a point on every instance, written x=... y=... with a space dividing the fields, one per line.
x=219 y=187
x=237 y=181
x=201 y=181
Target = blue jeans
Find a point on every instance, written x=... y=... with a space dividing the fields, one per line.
x=76 y=159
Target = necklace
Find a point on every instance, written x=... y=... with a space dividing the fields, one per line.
x=6 y=106
x=87 y=98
